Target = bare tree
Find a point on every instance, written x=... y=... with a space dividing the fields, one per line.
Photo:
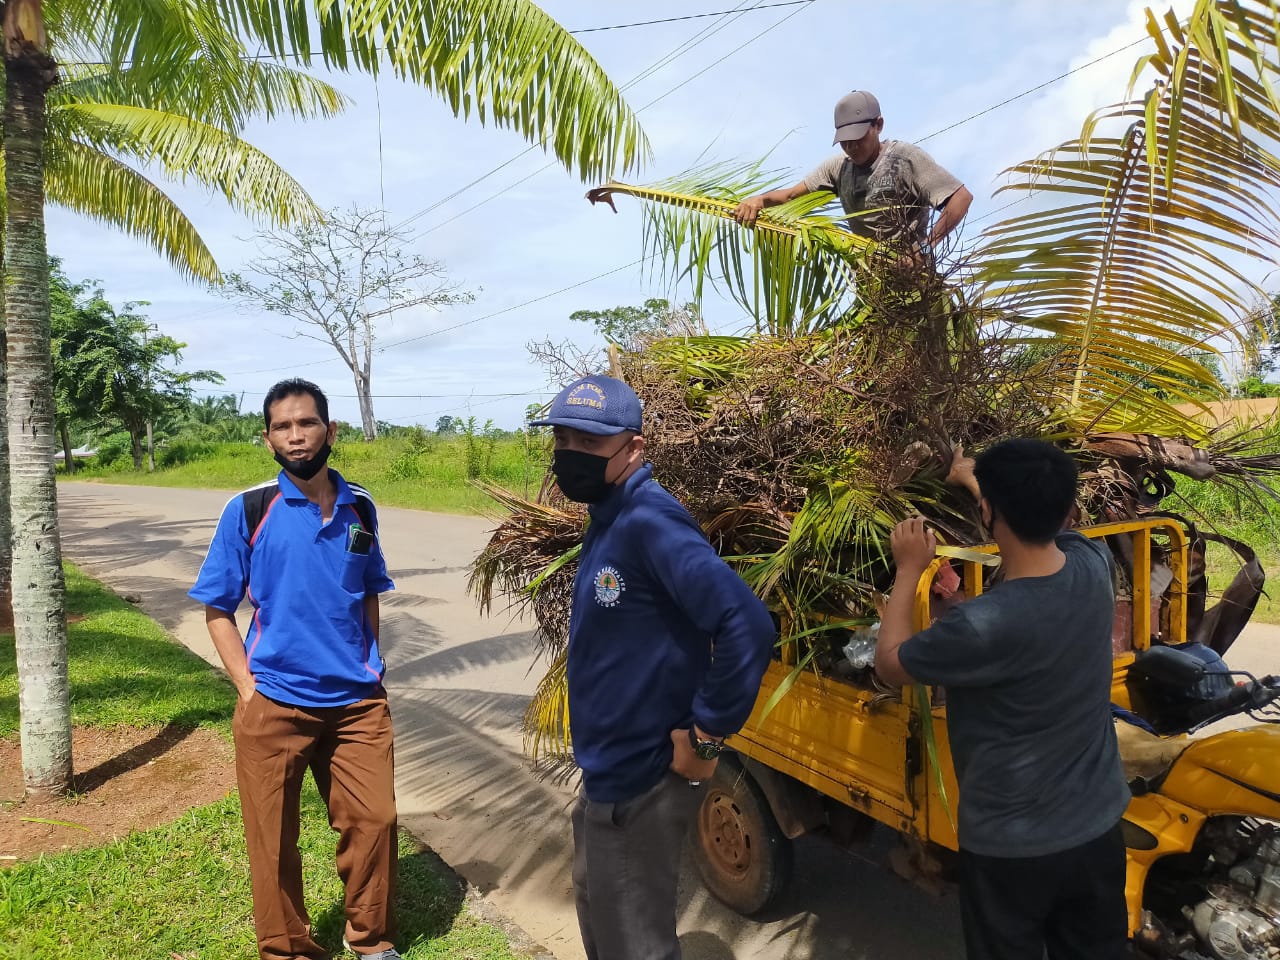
x=340 y=278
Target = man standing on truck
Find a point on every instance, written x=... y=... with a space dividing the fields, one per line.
x=1027 y=667
x=667 y=647
x=895 y=182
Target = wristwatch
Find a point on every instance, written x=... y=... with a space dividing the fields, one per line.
x=705 y=749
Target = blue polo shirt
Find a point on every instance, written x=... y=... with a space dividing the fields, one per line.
x=309 y=643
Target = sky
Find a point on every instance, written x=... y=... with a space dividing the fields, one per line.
x=979 y=84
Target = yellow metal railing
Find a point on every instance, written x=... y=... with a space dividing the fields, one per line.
x=1140 y=575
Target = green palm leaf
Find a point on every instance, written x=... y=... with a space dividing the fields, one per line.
x=1157 y=211
x=185 y=148
x=91 y=183
x=204 y=89
x=792 y=273
x=501 y=61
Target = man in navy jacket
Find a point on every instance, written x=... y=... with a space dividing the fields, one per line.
x=667 y=647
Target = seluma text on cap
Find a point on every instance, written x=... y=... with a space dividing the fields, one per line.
x=855 y=113
x=595 y=404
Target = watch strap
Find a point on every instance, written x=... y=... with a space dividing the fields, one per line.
x=705 y=749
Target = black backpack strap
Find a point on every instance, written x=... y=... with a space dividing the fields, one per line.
x=257 y=504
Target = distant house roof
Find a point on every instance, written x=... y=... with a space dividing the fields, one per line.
x=1243 y=412
x=79 y=453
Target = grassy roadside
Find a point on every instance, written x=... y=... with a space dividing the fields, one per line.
x=430 y=473
x=1254 y=521
x=423 y=473
x=181 y=889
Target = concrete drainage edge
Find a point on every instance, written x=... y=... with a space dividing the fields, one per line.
x=521 y=942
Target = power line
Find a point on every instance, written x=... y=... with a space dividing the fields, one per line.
x=456 y=326
x=684 y=47
x=311 y=54
x=692 y=16
x=552 y=163
x=1035 y=89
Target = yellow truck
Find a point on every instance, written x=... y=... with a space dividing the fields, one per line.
x=1202 y=829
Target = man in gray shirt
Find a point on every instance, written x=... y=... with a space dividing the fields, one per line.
x=896 y=183
x=1027 y=667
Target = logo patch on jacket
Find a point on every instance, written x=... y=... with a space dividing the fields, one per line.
x=609 y=587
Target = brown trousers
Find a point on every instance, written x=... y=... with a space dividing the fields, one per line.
x=349 y=751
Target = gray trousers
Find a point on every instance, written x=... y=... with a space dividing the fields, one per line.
x=626 y=862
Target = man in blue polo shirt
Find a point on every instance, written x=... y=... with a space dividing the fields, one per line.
x=667 y=646
x=309 y=676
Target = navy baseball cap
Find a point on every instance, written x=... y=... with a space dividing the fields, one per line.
x=595 y=404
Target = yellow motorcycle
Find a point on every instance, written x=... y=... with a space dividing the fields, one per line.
x=836 y=755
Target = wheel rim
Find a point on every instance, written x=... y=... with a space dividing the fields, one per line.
x=725 y=834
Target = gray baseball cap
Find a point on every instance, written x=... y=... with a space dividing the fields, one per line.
x=855 y=112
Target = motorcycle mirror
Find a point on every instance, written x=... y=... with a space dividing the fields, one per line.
x=1165 y=665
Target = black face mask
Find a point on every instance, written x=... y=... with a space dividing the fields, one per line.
x=581 y=476
x=305 y=469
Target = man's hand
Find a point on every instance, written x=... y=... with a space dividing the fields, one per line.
x=748 y=210
x=961 y=472
x=602 y=195
x=246 y=686
x=685 y=762
x=913 y=545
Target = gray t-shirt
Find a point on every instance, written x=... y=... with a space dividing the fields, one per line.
x=902 y=178
x=1027 y=667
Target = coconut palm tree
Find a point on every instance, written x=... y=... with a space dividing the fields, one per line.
x=98 y=121
x=503 y=60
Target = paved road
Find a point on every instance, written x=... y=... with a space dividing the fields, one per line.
x=459 y=683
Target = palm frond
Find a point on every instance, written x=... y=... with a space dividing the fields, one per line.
x=205 y=90
x=98 y=186
x=793 y=272
x=1153 y=213
x=184 y=149
x=501 y=61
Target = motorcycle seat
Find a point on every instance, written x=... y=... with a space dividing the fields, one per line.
x=1145 y=755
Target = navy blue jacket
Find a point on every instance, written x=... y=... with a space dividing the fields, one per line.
x=651 y=603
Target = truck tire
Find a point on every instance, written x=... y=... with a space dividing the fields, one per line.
x=743 y=856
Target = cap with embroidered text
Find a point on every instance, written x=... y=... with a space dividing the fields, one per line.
x=855 y=112
x=595 y=404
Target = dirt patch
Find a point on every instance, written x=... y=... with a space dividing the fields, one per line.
x=127 y=779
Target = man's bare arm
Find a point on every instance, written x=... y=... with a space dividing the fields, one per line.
x=952 y=213
x=749 y=209
x=230 y=646
x=372 y=613
x=913 y=547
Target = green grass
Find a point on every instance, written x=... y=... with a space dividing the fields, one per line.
x=182 y=889
x=124 y=669
x=1255 y=521
x=431 y=474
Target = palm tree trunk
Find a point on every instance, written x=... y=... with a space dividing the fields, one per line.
x=39 y=607
x=6 y=529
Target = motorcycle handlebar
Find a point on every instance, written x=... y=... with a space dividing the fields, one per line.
x=1250 y=695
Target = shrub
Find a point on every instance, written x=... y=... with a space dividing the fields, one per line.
x=177 y=452
x=112 y=448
